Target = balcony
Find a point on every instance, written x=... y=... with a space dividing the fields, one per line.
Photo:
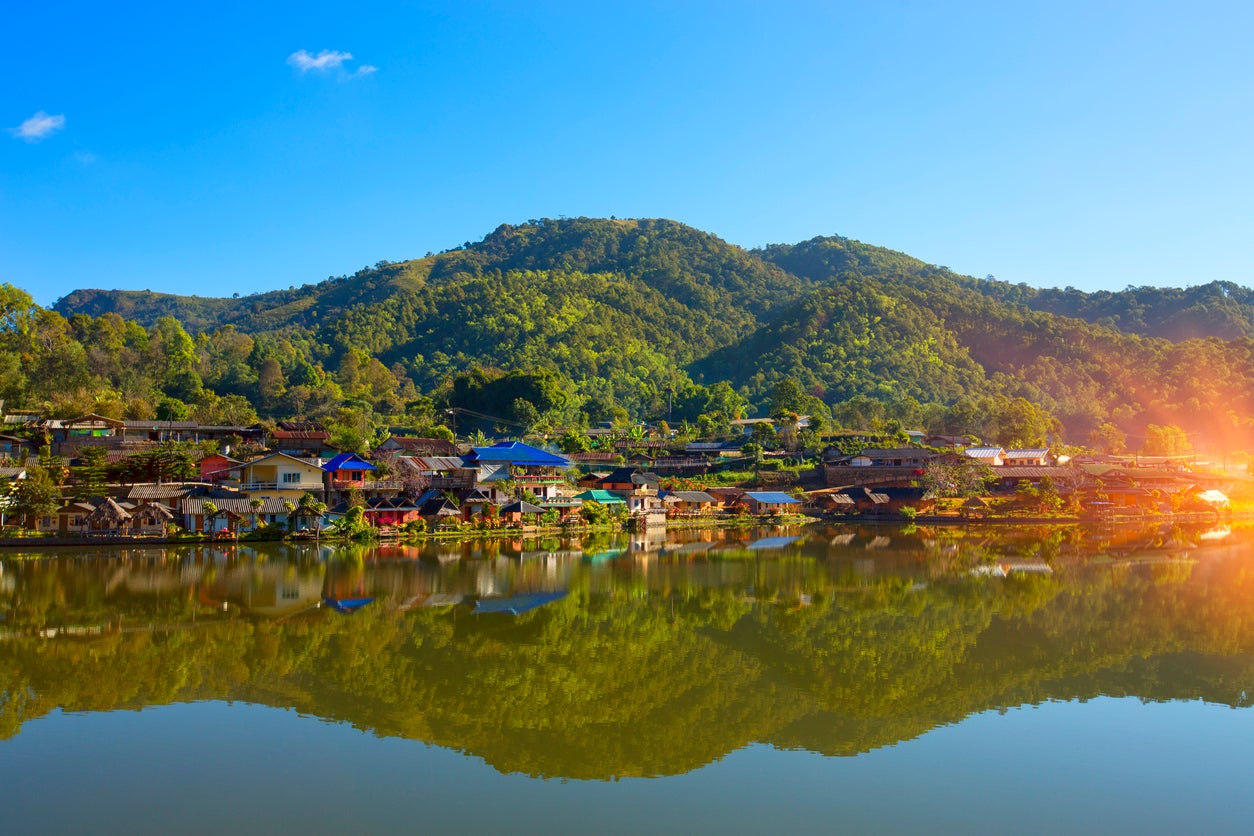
x=311 y=487
x=537 y=479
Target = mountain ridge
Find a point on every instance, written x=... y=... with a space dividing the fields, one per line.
x=635 y=315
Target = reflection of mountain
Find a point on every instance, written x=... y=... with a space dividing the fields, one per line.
x=644 y=667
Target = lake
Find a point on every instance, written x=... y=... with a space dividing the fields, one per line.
x=865 y=679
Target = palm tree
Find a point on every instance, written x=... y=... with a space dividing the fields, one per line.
x=255 y=505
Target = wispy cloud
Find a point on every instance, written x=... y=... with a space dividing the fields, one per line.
x=365 y=70
x=39 y=126
x=327 y=59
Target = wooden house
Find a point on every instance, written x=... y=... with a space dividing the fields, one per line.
x=688 y=503
x=216 y=467
x=768 y=502
x=298 y=438
x=624 y=480
x=344 y=473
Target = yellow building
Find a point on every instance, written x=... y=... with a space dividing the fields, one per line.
x=279 y=476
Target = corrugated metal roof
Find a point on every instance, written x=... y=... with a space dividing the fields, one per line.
x=158 y=491
x=237 y=505
x=691 y=496
x=771 y=497
x=603 y=497
x=516 y=453
x=347 y=461
x=433 y=464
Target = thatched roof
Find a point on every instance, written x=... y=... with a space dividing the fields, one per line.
x=975 y=502
x=110 y=512
x=154 y=510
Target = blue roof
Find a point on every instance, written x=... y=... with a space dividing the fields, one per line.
x=773 y=542
x=347 y=461
x=517 y=453
x=518 y=604
x=771 y=497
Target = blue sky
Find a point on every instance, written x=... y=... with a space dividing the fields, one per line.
x=233 y=147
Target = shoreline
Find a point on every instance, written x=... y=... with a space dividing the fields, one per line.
x=66 y=542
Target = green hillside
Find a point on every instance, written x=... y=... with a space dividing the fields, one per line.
x=618 y=318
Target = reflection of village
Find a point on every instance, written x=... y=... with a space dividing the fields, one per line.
x=149 y=589
x=604 y=657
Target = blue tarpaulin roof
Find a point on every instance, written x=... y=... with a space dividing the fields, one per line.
x=517 y=453
x=518 y=604
x=347 y=461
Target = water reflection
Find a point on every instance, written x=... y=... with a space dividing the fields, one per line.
x=616 y=656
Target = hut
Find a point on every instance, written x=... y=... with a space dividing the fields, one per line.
x=521 y=513
x=768 y=502
x=152 y=518
x=109 y=519
x=973 y=508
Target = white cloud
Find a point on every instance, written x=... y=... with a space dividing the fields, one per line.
x=39 y=126
x=327 y=59
x=365 y=69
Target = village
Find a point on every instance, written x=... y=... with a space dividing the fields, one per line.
x=163 y=480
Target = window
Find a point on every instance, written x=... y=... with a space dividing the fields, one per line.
x=291 y=478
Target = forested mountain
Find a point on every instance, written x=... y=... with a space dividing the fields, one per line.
x=555 y=321
x=1217 y=309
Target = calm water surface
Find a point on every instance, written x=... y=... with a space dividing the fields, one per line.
x=816 y=680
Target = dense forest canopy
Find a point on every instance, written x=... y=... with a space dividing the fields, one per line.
x=649 y=320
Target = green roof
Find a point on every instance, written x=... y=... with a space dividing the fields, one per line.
x=602 y=496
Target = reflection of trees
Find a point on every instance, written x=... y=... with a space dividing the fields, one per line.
x=634 y=672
